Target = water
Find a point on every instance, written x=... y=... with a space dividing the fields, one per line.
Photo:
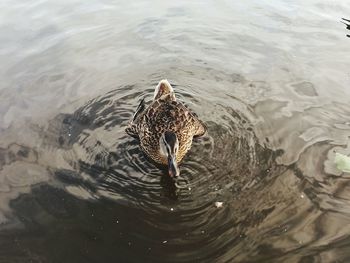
x=270 y=80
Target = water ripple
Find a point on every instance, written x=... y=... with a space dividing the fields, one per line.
x=224 y=166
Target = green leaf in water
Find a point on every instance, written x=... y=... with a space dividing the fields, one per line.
x=342 y=162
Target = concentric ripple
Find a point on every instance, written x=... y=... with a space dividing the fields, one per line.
x=213 y=212
x=237 y=198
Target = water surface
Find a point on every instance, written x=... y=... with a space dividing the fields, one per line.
x=270 y=80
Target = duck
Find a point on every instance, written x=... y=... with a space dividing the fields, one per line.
x=166 y=128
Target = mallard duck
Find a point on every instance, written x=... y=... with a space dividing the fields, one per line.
x=165 y=128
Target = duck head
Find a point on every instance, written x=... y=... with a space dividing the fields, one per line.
x=169 y=146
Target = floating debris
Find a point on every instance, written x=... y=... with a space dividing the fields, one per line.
x=218 y=204
x=342 y=162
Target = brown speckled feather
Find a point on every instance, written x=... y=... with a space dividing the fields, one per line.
x=165 y=114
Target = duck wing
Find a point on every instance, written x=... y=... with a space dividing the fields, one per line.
x=132 y=128
x=200 y=128
x=140 y=109
x=168 y=114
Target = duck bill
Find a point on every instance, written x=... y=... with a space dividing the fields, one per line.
x=173 y=168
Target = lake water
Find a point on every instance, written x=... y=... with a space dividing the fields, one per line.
x=269 y=78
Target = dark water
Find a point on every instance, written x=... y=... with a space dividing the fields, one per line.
x=269 y=79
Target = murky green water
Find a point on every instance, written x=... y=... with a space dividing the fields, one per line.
x=269 y=78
